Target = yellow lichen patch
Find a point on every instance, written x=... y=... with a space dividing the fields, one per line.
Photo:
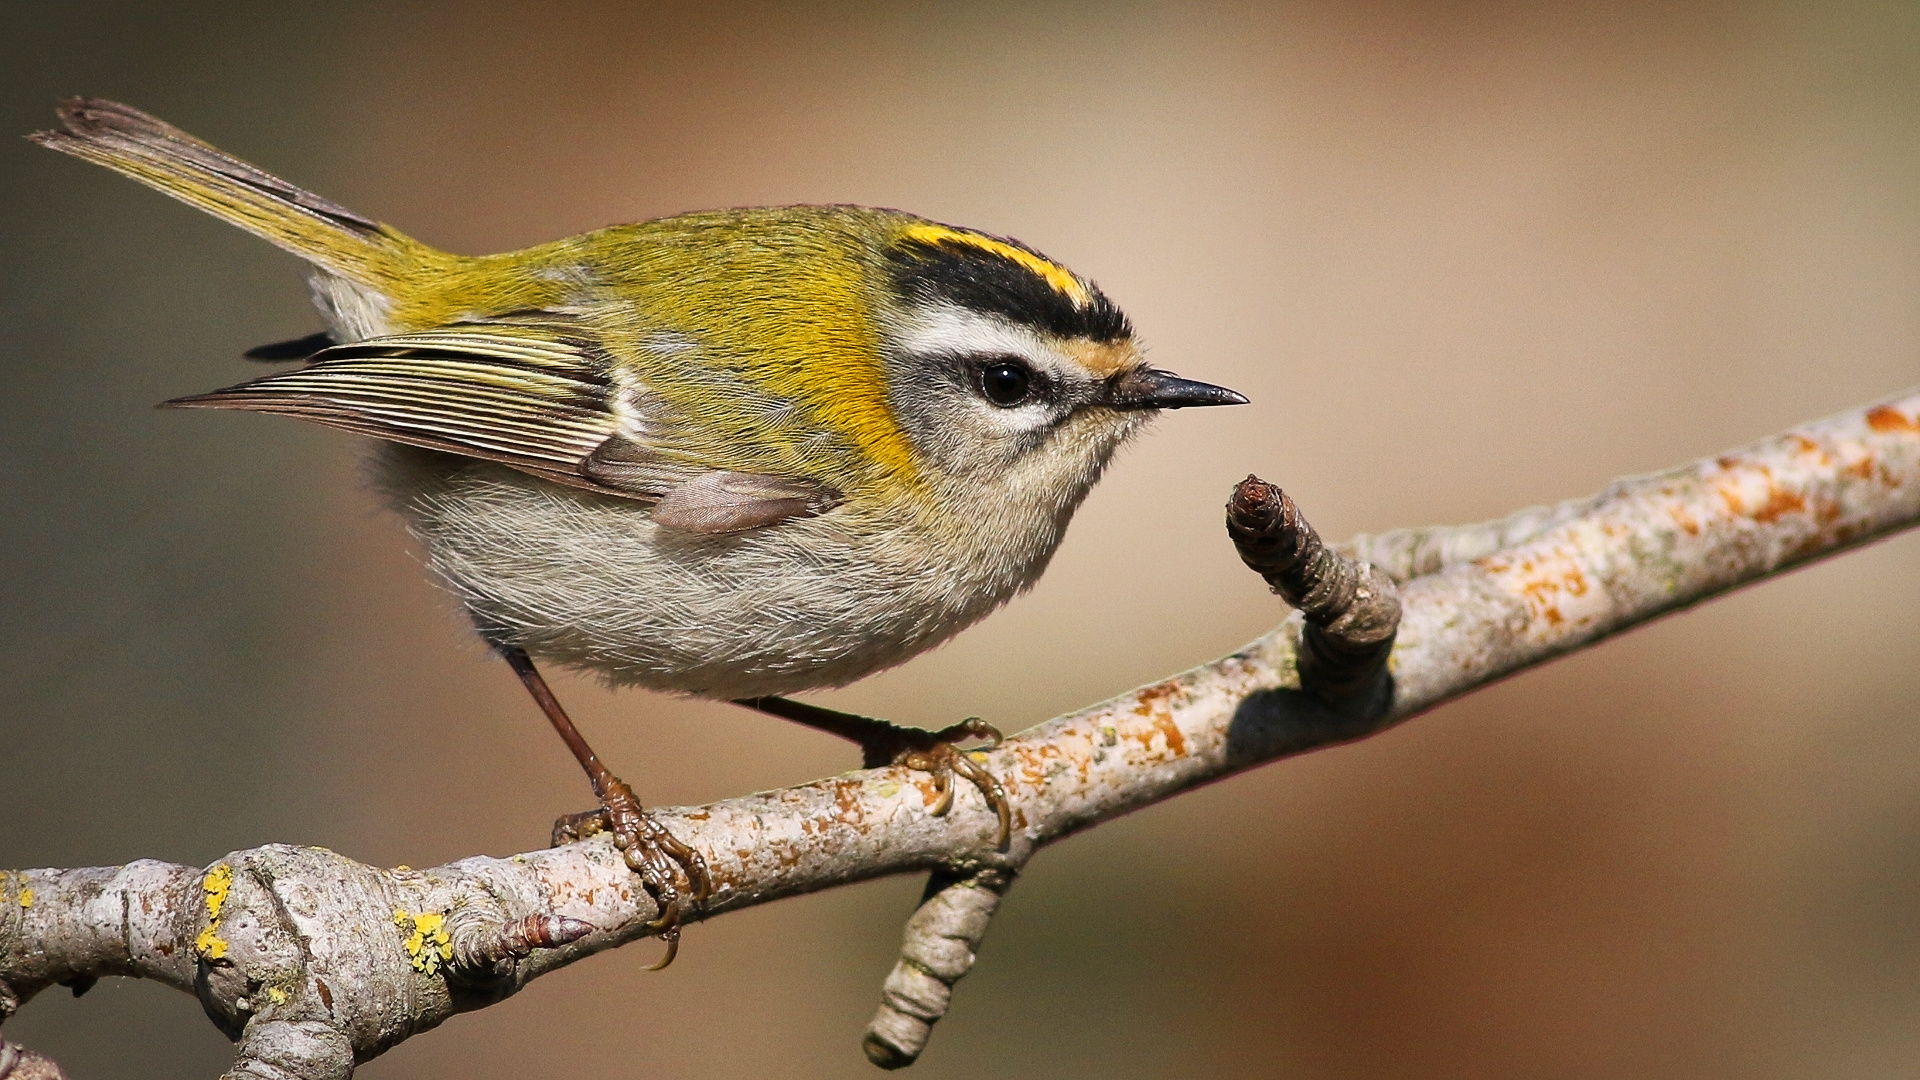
x=26 y=896
x=276 y=995
x=428 y=945
x=216 y=885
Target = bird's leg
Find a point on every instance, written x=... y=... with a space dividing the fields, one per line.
x=884 y=743
x=650 y=850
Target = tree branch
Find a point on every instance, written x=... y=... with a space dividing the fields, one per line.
x=314 y=962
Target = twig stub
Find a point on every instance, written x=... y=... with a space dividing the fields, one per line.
x=1352 y=610
x=941 y=939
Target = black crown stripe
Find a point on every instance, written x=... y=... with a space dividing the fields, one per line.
x=977 y=278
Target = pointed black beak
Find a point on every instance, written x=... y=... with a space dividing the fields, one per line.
x=1151 y=388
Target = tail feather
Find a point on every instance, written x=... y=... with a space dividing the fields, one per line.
x=162 y=156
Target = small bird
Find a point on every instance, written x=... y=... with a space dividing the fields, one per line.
x=734 y=454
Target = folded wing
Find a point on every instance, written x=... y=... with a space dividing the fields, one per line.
x=540 y=396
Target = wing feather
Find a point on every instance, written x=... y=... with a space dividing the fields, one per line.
x=536 y=396
x=540 y=396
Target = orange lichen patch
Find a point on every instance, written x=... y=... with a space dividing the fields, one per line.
x=1540 y=591
x=1026 y=766
x=1151 y=703
x=1037 y=762
x=1809 y=448
x=1862 y=469
x=1887 y=420
x=849 y=797
x=1779 y=502
x=1154 y=697
x=1826 y=511
x=566 y=892
x=1176 y=742
x=929 y=791
x=1158 y=739
x=1750 y=491
x=1555 y=586
x=1685 y=520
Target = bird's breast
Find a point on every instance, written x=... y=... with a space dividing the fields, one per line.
x=593 y=582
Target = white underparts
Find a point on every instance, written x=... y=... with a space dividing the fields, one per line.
x=352 y=311
x=593 y=582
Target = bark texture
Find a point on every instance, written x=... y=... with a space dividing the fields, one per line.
x=313 y=962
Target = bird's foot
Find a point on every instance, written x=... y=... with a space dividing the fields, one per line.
x=664 y=864
x=883 y=743
x=939 y=753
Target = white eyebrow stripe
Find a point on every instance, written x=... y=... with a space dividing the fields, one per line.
x=937 y=329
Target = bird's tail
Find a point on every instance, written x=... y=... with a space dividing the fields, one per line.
x=162 y=156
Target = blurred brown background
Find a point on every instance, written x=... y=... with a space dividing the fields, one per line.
x=1463 y=256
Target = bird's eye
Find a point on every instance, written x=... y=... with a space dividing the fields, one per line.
x=1006 y=383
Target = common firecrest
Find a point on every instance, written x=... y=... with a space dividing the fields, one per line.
x=732 y=454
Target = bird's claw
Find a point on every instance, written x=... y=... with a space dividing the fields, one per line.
x=661 y=860
x=938 y=753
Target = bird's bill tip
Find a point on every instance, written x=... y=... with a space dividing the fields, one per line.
x=1152 y=388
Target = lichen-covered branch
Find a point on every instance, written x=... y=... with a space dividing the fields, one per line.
x=314 y=962
x=1405 y=554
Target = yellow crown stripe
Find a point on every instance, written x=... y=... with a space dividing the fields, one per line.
x=1056 y=276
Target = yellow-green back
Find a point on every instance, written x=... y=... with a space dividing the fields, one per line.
x=759 y=324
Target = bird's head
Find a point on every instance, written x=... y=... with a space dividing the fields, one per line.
x=1008 y=371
